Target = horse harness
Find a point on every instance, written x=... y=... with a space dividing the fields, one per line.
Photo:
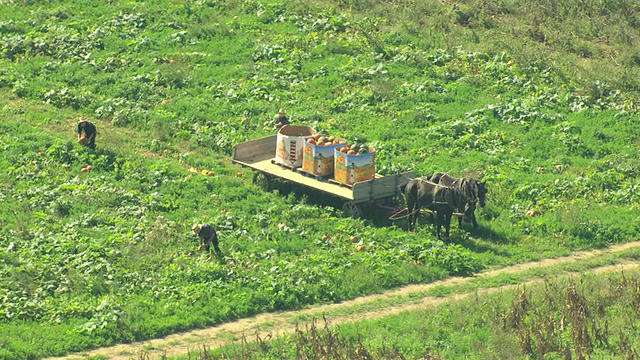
x=471 y=189
x=440 y=186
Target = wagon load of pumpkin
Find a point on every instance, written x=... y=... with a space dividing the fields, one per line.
x=354 y=163
x=290 y=144
x=318 y=154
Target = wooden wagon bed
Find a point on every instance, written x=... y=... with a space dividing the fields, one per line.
x=259 y=154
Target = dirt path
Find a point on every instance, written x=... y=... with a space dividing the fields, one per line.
x=276 y=324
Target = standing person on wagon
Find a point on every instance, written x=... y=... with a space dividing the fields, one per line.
x=282 y=119
x=89 y=132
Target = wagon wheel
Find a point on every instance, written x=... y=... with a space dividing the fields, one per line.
x=262 y=180
x=352 y=210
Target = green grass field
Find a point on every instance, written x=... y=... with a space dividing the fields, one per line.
x=540 y=101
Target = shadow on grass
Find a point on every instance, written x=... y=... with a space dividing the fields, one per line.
x=479 y=247
x=377 y=213
x=487 y=234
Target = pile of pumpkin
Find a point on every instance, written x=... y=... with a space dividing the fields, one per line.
x=354 y=149
x=327 y=140
x=324 y=140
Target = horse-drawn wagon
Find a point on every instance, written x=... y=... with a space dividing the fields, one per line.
x=378 y=191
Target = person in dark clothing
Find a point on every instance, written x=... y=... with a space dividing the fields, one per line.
x=207 y=235
x=89 y=132
x=282 y=119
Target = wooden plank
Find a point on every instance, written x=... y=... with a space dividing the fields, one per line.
x=258 y=155
x=429 y=211
x=266 y=166
x=255 y=150
x=380 y=187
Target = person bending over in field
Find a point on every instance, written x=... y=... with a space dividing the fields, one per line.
x=207 y=235
x=89 y=138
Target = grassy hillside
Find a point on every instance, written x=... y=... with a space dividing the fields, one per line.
x=538 y=100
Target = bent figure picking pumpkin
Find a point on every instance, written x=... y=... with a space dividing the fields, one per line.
x=89 y=137
x=207 y=235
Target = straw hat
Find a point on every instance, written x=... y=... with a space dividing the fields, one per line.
x=83 y=119
x=281 y=112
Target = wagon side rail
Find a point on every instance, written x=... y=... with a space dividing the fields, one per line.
x=380 y=187
x=249 y=152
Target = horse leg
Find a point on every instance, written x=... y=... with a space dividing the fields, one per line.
x=439 y=218
x=473 y=220
x=447 y=222
x=416 y=212
x=410 y=217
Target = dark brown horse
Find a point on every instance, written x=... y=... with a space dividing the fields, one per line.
x=475 y=191
x=444 y=200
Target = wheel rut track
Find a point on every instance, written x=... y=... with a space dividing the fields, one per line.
x=276 y=324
